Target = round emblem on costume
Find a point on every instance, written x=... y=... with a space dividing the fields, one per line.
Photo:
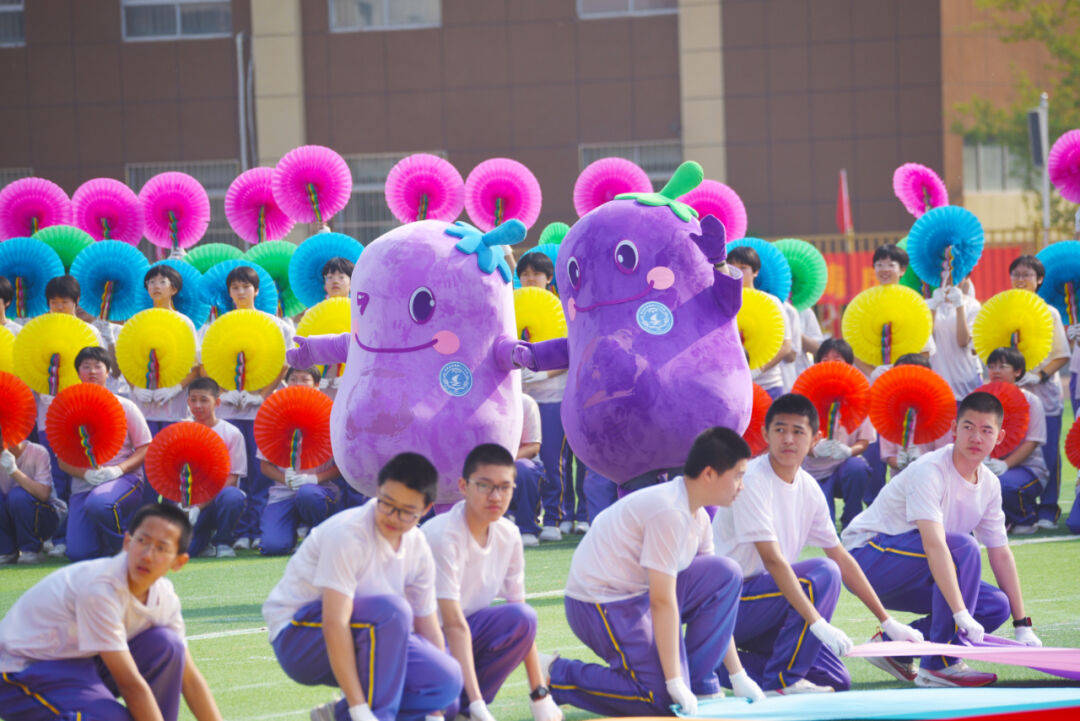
x=655 y=318
x=456 y=378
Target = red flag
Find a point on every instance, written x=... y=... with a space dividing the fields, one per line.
x=844 y=222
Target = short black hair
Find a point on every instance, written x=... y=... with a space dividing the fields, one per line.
x=718 y=448
x=63 y=286
x=912 y=359
x=7 y=293
x=537 y=262
x=794 y=404
x=207 y=384
x=93 y=352
x=337 y=265
x=165 y=271
x=172 y=514
x=486 y=454
x=1029 y=261
x=313 y=371
x=981 y=402
x=745 y=255
x=839 y=345
x=243 y=274
x=1010 y=355
x=891 y=251
x=413 y=470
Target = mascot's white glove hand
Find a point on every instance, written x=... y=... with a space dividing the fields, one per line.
x=295 y=479
x=233 y=398
x=1026 y=635
x=968 y=626
x=545 y=709
x=831 y=637
x=7 y=461
x=361 y=712
x=897 y=631
x=478 y=711
x=97 y=476
x=745 y=687
x=681 y=694
x=996 y=466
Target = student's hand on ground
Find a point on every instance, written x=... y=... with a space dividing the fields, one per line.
x=996 y=466
x=681 y=694
x=234 y=398
x=97 y=476
x=745 y=687
x=478 y=711
x=897 y=631
x=295 y=479
x=830 y=636
x=361 y=712
x=968 y=626
x=545 y=709
x=7 y=461
x=1026 y=635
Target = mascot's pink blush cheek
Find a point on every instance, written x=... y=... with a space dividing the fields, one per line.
x=661 y=277
x=446 y=342
x=571 y=309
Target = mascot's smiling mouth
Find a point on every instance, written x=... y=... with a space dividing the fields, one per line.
x=444 y=342
x=599 y=303
x=659 y=278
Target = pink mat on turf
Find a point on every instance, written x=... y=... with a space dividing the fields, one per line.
x=1064 y=662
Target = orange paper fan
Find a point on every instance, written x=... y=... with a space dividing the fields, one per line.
x=86 y=425
x=292 y=428
x=1016 y=415
x=1072 y=445
x=840 y=393
x=18 y=411
x=187 y=463
x=911 y=405
x=754 y=435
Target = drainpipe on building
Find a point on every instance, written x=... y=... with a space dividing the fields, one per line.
x=241 y=101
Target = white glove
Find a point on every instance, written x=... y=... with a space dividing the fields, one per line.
x=251 y=399
x=233 y=398
x=968 y=626
x=164 y=395
x=996 y=466
x=7 y=461
x=1073 y=332
x=361 y=712
x=1026 y=635
x=1029 y=379
x=545 y=709
x=681 y=694
x=295 y=479
x=953 y=296
x=823 y=448
x=897 y=631
x=478 y=711
x=193 y=515
x=833 y=638
x=745 y=687
x=840 y=451
x=97 y=476
x=906 y=456
x=142 y=395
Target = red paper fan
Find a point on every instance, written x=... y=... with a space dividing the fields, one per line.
x=919 y=390
x=754 y=435
x=18 y=411
x=1072 y=445
x=187 y=463
x=1017 y=415
x=86 y=425
x=292 y=428
x=840 y=393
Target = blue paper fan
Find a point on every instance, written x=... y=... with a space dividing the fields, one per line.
x=1062 y=263
x=191 y=300
x=775 y=275
x=551 y=250
x=306 y=264
x=29 y=264
x=948 y=226
x=110 y=275
x=216 y=292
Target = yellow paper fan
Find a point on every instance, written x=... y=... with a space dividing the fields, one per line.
x=327 y=317
x=248 y=336
x=164 y=333
x=46 y=348
x=7 y=351
x=1014 y=318
x=539 y=314
x=761 y=326
x=885 y=322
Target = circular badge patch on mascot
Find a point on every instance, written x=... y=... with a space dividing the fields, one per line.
x=456 y=378
x=655 y=318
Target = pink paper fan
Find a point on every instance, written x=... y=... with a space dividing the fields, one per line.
x=1064 y=165
x=29 y=204
x=312 y=183
x=176 y=210
x=605 y=178
x=499 y=189
x=919 y=188
x=714 y=198
x=424 y=186
x=108 y=210
x=251 y=209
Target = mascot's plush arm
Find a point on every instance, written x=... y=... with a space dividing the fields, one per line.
x=546 y=356
x=727 y=281
x=318 y=350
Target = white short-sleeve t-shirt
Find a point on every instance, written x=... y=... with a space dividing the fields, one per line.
x=234 y=441
x=347 y=554
x=80 y=611
x=530 y=429
x=931 y=489
x=811 y=329
x=649 y=529
x=175 y=408
x=1049 y=393
x=138 y=435
x=1036 y=462
x=12 y=326
x=471 y=574
x=789 y=371
x=773 y=378
x=959 y=366
x=768 y=508
x=35 y=463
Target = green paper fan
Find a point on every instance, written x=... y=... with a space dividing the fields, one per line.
x=553 y=233
x=809 y=271
x=911 y=279
x=67 y=240
x=206 y=256
x=273 y=256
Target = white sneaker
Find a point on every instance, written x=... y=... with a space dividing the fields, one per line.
x=242 y=544
x=566 y=527
x=957 y=675
x=224 y=550
x=27 y=558
x=8 y=558
x=1024 y=530
x=891 y=665
x=59 y=550
x=581 y=527
x=208 y=552
x=550 y=533
x=800 y=686
x=325 y=712
x=1046 y=524
x=529 y=540
x=255 y=542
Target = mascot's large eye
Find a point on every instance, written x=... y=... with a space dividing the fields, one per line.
x=421 y=305
x=574 y=271
x=626 y=256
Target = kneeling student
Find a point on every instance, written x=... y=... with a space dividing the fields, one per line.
x=94 y=630
x=478 y=556
x=356 y=606
x=780 y=511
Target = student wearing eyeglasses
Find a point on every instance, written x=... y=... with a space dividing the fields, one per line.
x=356 y=606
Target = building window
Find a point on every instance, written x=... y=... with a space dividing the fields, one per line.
x=367 y=216
x=10 y=175
x=658 y=158
x=614 y=8
x=12 y=23
x=994 y=168
x=349 y=15
x=158 y=20
x=215 y=176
